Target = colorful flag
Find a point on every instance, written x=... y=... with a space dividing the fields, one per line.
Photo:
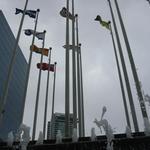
x=45 y=66
x=30 y=13
x=36 y=49
x=39 y=35
x=103 y=23
x=64 y=13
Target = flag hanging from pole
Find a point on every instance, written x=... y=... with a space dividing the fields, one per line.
x=70 y=47
x=64 y=13
x=45 y=66
x=28 y=32
x=103 y=23
x=30 y=13
x=36 y=49
x=39 y=35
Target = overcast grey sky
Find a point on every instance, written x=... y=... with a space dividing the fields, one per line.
x=101 y=83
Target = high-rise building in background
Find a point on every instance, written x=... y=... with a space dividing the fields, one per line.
x=12 y=115
x=49 y=130
x=58 y=123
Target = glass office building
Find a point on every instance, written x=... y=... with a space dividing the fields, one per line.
x=58 y=123
x=13 y=109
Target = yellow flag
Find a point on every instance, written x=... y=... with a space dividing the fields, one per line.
x=45 y=51
x=105 y=24
x=36 y=49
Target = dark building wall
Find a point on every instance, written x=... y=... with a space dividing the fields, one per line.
x=13 y=109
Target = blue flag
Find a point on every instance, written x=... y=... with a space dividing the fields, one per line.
x=30 y=13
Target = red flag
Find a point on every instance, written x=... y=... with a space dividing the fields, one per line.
x=51 y=67
x=45 y=66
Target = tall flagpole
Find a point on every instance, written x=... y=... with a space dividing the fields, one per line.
x=121 y=81
x=10 y=69
x=74 y=70
x=67 y=103
x=46 y=98
x=82 y=96
x=53 y=100
x=134 y=72
x=37 y=94
x=78 y=80
x=125 y=73
x=108 y=24
x=29 y=63
x=80 y=84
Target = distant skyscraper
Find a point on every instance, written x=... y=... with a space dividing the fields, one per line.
x=48 y=130
x=14 y=106
x=59 y=124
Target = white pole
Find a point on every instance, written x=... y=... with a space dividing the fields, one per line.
x=67 y=78
x=121 y=81
x=79 y=81
x=74 y=70
x=10 y=69
x=134 y=117
x=132 y=63
x=82 y=96
x=37 y=94
x=29 y=64
x=53 y=102
x=46 y=98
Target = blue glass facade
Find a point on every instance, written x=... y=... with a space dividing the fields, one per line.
x=13 y=109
